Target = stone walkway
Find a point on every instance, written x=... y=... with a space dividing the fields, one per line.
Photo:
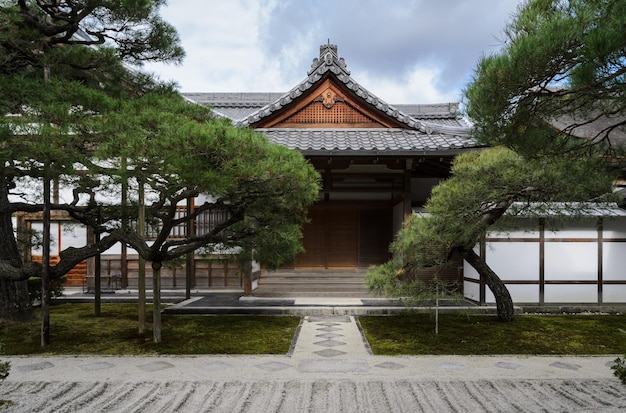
x=329 y=369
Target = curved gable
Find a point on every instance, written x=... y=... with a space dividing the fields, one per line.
x=357 y=106
x=328 y=105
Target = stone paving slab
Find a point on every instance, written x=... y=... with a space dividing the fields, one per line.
x=330 y=337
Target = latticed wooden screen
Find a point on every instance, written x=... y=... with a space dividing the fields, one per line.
x=339 y=113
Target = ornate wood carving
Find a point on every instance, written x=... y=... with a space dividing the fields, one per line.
x=329 y=106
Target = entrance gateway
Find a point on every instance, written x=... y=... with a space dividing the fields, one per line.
x=378 y=161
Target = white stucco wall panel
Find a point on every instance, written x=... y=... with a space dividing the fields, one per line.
x=614 y=261
x=521 y=293
x=514 y=260
x=489 y=297
x=469 y=271
x=472 y=290
x=583 y=229
x=571 y=293
x=73 y=235
x=572 y=261
x=614 y=294
x=54 y=238
x=530 y=233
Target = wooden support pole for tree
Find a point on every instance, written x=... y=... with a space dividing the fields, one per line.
x=98 y=275
x=156 y=301
x=141 y=276
x=45 y=261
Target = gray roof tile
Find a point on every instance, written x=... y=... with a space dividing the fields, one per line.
x=329 y=61
x=344 y=141
x=429 y=128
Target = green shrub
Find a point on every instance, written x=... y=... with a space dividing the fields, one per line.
x=34 y=288
x=5 y=367
x=619 y=369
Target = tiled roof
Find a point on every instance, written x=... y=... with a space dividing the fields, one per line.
x=329 y=62
x=238 y=106
x=252 y=107
x=375 y=141
x=234 y=99
x=429 y=128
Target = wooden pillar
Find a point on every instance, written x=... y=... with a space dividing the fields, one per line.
x=225 y=264
x=246 y=268
x=600 y=264
x=483 y=285
x=407 y=189
x=190 y=262
x=125 y=222
x=542 y=260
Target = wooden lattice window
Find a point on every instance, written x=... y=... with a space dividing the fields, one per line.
x=339 y=113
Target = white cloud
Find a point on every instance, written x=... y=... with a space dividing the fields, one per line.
x=416 y=86
x=414 y=52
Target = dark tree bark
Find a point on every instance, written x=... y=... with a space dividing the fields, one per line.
x=504 y=303
x=14 y=300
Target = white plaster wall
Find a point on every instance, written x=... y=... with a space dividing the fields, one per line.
x=471 y=290
x=570 y=254
x=571 y=293
x=520 y=293
x=572 y=261
x=514 y=260
x=54 y=239
x=73 y=235
x=614 y=255
x=614 y=293
x=614 y=261
x=580 y=229
x=469 y=271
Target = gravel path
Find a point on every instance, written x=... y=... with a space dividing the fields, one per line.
x=330 y=369
x=340 y=396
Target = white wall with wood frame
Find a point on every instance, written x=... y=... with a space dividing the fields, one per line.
x=582 y=261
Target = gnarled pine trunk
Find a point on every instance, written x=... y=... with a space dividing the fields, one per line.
x=504 y=303
x=14 y=300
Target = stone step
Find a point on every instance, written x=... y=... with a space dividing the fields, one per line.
x=316 y=273
x=312 y=289
x=278 y=281
x=294 y=283
x=287 y=294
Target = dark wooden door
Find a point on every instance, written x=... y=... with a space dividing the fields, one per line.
x=375 y=235
x=330 y=240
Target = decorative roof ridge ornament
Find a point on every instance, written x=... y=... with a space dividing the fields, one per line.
x=329 y=57
x=327 y=61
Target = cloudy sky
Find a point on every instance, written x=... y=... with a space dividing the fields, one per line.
x=404 y=51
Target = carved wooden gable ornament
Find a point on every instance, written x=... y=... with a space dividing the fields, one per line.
x=326 y=101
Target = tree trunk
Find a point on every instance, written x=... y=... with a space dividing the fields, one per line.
x=14 y=299
x=504 y=303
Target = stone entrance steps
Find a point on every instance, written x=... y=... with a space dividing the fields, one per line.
x=303 y=283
